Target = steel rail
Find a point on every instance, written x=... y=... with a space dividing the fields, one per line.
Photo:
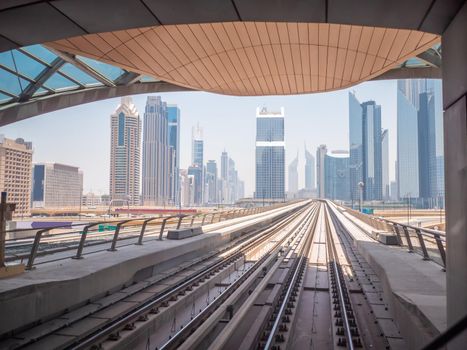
x=298 y=270
x=339 y=283
x=204 y=329
x=141 y=309
x=199 y=319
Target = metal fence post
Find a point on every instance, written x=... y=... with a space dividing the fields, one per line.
x=204 y=217
x=407 y=236
x=180 y=219
x=115 y=238
x=213 y=216
x=442 y=252
x=79 y=252
x=162 y=229
x=192 y=220
x=398 y=234
x=422 y=245
x=35 y=247
x=141 y=234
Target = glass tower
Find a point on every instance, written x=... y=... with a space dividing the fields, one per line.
x=270 y=154
x=173 y=114
x=372 y=155
x=336 y=177
x=407 y=147
x=356 y=146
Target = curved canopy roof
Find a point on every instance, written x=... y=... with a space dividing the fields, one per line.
x=241 y=47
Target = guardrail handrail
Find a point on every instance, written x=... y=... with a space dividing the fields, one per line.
x=420 y=232
x=85 y=228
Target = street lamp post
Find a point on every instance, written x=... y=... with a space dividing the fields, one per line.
x=360 y=186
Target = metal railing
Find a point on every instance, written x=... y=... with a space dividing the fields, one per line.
x=80 y=232
x=431 y=244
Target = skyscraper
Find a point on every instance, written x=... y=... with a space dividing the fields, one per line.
x=385 y=163
x=125 y=153
x=355 y=146
x=309 y=170
x=270 y=154
x=365 y=149
x=407 y=147
x=336 y=176
x=211 y=182
x=424 y=95
x=158 y=155
x=173 y=115
x=320 y=170
x=56 y=186
x=224 y=190
x=15 y=173
x=293 y=178
x=372 y=156
x=197 y=160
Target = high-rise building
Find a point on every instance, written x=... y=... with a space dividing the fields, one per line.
x=355 y=146
x=173 y=115
x=270 y=154
x=211 y=182
x=15 y=173
x=365 y=149
x=426 y=99
x=407 y=148
x=56 y=186
x=372 y=156
x=224 y=188
x=187 y=183
x=125 y=153
x=197 y=182
x=309 y=170
x=293 y=178
x=320 y=170
x=197 y=160
x=158 y=155
x=337 y=176
x=385 y=163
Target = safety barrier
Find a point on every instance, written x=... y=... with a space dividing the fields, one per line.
x=140 y=224
x=431 y=244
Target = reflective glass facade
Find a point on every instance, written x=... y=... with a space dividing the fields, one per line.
x=173 y=113
x=270 y=154
x=336 y=178
x=355 y=146
x=407 y=147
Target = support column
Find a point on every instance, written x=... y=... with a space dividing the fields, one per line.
x=455 y=164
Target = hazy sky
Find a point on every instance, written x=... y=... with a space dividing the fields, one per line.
x=81 y=135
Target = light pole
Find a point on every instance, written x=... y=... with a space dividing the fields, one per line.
x=360 y=187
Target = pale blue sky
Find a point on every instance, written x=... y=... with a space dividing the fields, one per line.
x=81 y=135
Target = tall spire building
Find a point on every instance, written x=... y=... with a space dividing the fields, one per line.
x=293 y=178
x=125 y=153
x=309 y=171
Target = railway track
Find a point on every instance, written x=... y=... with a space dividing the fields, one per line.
x=297 y=284
x=104 y=319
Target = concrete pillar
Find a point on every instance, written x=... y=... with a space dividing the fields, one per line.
x=455 y=162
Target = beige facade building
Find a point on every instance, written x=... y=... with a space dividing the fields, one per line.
x=56 y=186
x=125 y=153
x=15 y=173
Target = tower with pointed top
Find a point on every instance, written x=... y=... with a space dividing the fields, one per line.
x=125 y=153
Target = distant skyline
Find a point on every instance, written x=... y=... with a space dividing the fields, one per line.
x=80 y=136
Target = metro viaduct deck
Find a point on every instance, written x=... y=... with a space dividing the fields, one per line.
x=407 y=293
x=25 y=22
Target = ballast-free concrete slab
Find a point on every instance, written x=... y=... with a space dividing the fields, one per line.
x=416 y=288
x=53 y=287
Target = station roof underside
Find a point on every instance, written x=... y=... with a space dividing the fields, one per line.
x=57 y=54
